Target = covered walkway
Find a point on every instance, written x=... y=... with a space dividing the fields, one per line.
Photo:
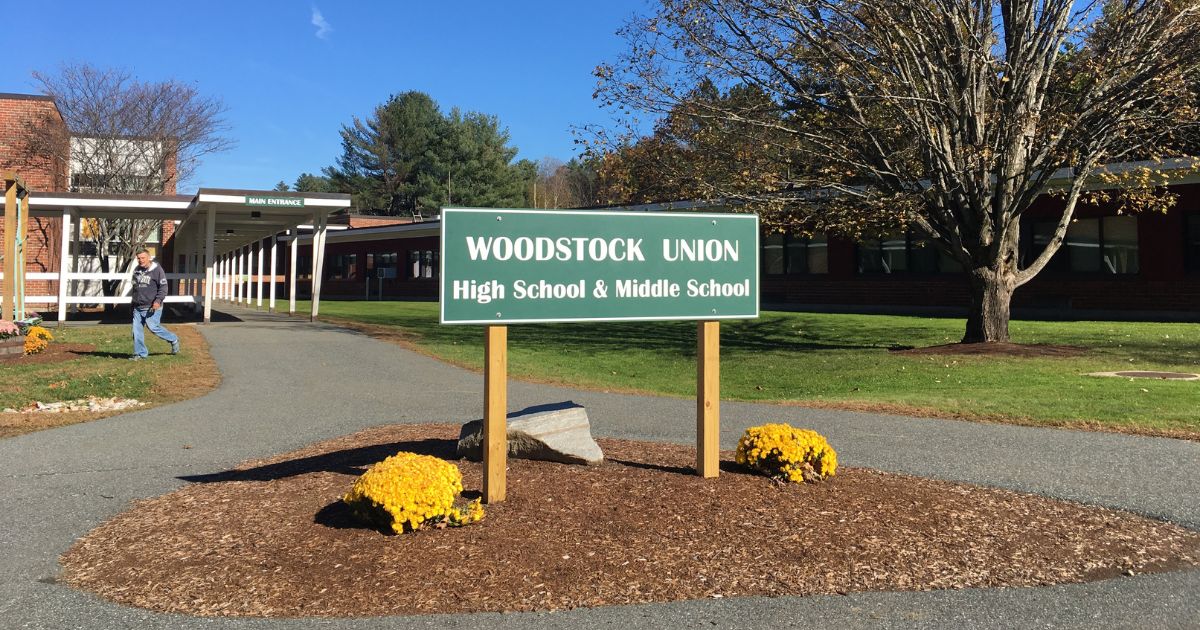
x=325 y=381
x=221 y=238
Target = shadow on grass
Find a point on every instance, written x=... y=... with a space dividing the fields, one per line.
x=774 y=334
x=102 y=354
x=346 y=462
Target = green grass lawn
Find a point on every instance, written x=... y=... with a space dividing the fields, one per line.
x=104 y=371
x=845 y=360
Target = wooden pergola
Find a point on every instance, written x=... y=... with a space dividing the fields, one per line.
x=217 y=232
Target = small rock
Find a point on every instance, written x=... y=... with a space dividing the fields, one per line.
x=559 y=432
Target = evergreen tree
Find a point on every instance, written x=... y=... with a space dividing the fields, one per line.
x=408 y=157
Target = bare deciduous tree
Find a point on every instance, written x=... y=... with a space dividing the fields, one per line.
x=559 y=184
x=126 y=136
x=948 y=116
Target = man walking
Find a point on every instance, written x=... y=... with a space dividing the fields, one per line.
x=149 y=289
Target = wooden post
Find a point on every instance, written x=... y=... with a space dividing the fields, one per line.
x=708 y=398
x=495 y=412
x=10 y=250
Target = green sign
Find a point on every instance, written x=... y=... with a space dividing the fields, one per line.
x=511 y=266
x=275 y=202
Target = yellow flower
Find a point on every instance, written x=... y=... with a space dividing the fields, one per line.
x=37 y=339
x=406 y=491
x=787 y=453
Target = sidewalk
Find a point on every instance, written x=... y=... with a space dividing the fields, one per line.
x=290 y=383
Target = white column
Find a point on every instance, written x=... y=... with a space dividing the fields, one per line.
x=210 y=289
x=199 y=265
x=237 y=276
x=258 y=293
x=64 y=266
x=77 y=229
x=321 y=265
x=312 y=292
x=319 y=255
x=246 y=274
x=294 y=233
x=274 y=260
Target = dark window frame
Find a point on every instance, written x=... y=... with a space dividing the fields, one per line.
x=914 y=250
x=1060 y=264
x=1191 y=248
x=786 y=246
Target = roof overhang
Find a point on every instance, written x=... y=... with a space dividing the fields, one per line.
x=239 y=219
x=382 y=233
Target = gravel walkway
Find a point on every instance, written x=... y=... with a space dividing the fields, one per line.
x=290 y=383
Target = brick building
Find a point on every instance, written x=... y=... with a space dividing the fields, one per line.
x=1111 y=265
x=19 y=113
x=26 y=119
x=197 y=238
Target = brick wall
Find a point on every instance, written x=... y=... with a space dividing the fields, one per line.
x=21 y=118
x=359 y=221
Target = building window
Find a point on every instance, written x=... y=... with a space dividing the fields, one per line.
x=343 y=267
x=304 y=267
x=382 y=265
x=1192 y=230
x=795 y=255
x=423 y=264
x=1107 y=245
x=902 y=253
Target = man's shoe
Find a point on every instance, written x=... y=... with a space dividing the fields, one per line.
x=136 y=358
x=175 y=347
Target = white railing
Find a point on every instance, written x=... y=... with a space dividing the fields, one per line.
x=124 y=298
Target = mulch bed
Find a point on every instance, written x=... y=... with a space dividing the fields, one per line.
x=1024 y=351
x=54 y=353
x=271 y=539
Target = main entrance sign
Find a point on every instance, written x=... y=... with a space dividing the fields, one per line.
x=513 y=266
x=277 y=202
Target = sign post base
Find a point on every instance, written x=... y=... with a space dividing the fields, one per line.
x=495 y=413
x=708 y=398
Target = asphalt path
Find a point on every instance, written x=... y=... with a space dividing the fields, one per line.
x=289 y=383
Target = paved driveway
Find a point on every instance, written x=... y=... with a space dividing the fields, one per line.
x=289 y=383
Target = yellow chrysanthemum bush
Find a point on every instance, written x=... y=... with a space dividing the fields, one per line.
x=786 y=453
x=37 y=339
x=408 y=491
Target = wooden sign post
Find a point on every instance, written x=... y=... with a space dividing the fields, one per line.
x=512 y=266
x=708 y=398
x=495 y=413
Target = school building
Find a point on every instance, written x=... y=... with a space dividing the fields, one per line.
x=1111 y=265
x=212 y=244
x=259 y=245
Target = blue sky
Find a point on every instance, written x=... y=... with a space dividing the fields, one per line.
x=291 y=84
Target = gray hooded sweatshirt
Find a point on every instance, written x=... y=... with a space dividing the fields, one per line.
x=149 y=285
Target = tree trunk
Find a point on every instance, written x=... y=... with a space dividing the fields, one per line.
x=108 y=288
x=991 y=298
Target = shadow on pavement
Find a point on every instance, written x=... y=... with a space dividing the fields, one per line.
x=347 y=462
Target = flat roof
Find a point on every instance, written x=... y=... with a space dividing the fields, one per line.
x=238 y=221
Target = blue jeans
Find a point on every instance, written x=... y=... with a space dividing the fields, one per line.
x=143 y=317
